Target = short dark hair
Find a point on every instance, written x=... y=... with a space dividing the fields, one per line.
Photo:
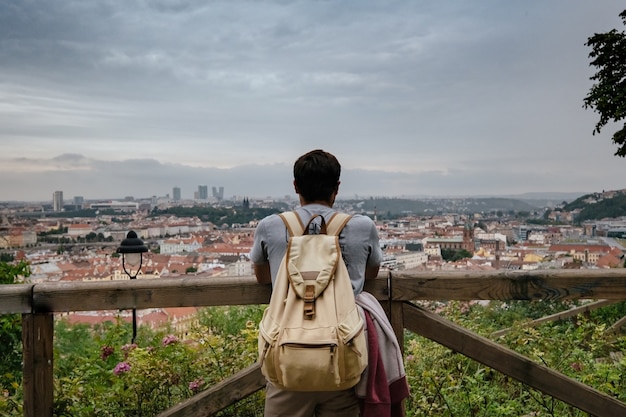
x=316 y=175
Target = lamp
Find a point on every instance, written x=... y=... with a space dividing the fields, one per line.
x=132 y=249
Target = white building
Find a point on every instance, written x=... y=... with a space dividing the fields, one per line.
x=188 y=245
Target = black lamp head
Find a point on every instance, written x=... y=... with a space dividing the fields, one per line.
x=132 y=244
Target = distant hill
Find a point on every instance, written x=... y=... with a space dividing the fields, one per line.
x=546 y=199
x=436 y=205
x=553 y=196
x=422 y=205
x=595 y=206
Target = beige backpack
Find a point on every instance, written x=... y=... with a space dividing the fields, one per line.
x=311 y=336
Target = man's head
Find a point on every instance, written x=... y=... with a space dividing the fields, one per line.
x=316 y=177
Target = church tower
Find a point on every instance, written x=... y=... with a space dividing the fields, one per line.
x=468 y=237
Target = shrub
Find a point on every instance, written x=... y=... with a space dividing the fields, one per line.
x=445 y=383
x=97 y=372
x=114 y=378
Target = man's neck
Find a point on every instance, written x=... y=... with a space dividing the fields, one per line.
x=320 y=202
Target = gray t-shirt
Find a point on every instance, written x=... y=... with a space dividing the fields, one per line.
x=358 y=241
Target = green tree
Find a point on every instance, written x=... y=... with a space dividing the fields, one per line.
x=607 y=96
x=454 y=255
x=6 y=257
x=11 y=331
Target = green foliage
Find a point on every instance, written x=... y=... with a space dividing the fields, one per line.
x=445 y=383
x=602 y=208
x=11 y=336
x=392 y=208
x=51 y=232
x=218 y=215
x=607 y=96
x=454 y=255
x=6 y=257
x=11 y=273
x=230 y=319
x=99 y=373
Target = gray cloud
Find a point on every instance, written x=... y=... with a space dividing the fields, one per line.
x=77 y=175
x=442 y=97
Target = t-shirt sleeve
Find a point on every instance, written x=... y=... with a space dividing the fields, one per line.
x=375 y=257
x=258 y=253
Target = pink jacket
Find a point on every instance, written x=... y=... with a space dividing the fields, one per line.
x=383 y=385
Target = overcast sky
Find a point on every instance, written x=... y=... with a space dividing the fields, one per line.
x=132 y=97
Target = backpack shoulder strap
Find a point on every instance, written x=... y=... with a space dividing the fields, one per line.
x=293 y=223
x=337 y=222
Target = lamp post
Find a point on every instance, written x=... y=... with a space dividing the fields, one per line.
x=132 y=249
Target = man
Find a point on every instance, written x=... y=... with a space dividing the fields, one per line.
x=316 y=181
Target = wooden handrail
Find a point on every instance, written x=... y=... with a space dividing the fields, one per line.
x=48 y=297
x=36 y=302
x=609 y=284
x=16 y=299
x=220 y=396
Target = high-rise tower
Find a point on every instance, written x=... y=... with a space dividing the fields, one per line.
x=203 y=192
x=218 y=193
x=57 y=201
x=78 y=202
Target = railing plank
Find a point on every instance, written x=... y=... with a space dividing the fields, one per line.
x=511 y=363
x=609 y=284
x=227 y=392
x=150 y=293
x=37 y=338
x=165 y=292
x=562 y=315
x=16 y=299
x=617 y=326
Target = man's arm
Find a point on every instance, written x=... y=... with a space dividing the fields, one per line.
x=262 y=272
x=375 y=256
x=371 y=272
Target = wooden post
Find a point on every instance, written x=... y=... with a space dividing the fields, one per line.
x=396 y=318
x=37 y=338
x=395 y=313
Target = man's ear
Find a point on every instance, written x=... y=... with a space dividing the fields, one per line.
x=295 y=187
x=337 y=188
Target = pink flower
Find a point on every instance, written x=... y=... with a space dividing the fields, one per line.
x=105 y=352
x=576 y=366
x=121 y=368
x=127 y=348
x=169 y=339
x=195 y=385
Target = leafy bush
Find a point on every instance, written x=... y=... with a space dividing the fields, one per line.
x=445 y=383
x=11 y=343
x=97 y=372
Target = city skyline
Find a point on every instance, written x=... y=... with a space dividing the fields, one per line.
x=414 y=98
x=200 y=192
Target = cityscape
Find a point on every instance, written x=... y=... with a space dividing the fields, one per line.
x=76 y=240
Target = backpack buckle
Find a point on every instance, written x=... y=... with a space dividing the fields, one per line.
x=309 y=302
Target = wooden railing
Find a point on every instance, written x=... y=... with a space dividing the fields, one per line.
x=396 y=290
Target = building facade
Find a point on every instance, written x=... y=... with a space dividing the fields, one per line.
x=57 y=201
x=203 y=192
x=176 y=193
